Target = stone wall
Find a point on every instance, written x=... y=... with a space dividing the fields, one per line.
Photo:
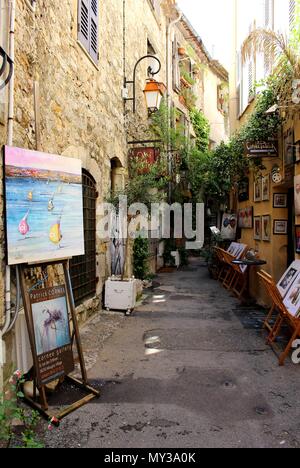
x=81 y=109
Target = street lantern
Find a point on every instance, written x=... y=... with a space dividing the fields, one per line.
x=154 y=92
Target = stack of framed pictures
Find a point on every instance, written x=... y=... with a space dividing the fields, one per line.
x=289 y=288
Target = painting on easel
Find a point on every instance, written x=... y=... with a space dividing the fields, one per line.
x=52 y=338
x=44 y=207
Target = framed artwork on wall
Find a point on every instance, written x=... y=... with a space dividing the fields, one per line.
x=257 y=190
x=246 y=218
x=297 y=195
x=265 y=190
x=280 y=227
x=257 y=228
x=266 y=228
x=229 y=226
x=297 y=239
x=280 y=200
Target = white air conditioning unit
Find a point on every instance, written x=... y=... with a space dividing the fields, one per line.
x=120 y=295
x=24 y=359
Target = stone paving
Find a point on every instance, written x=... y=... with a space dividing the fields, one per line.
x=189 y=369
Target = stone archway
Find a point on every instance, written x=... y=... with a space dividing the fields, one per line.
x=117 y=175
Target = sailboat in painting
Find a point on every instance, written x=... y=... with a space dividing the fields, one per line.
x=24 y=226
x=55 y=235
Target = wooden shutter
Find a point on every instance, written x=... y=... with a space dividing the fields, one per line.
x=250 y=79
x=84 y=23
x=94 y=30
x=292 y=13
x=175 y=66
x=88 y=27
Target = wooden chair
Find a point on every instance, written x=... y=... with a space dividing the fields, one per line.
x=231 y=275
x=223 y=264
x=283 y=316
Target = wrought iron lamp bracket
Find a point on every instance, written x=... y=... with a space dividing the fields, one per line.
x=133 y=81
x=6 y=60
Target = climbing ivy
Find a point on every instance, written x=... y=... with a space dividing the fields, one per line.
x=202 y=129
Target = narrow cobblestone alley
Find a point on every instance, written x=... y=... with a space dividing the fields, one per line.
x=189 y=369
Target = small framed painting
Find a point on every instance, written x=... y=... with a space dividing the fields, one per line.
x=257 y=190
x=288 y=278
x=266 y=228
x=257 y=227
x=265 y=188
x=280 y=227
x=297 y=239
x=292 y=299
x=246 y=218
x=280 y=200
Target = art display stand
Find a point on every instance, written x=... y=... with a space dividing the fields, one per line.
x=39 y=400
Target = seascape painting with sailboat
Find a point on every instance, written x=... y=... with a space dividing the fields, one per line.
x=44 y=206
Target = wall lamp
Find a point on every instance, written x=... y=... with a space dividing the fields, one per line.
x=6 y=60
x=153 y=91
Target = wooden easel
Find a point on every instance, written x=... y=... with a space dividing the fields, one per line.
x=42 y=406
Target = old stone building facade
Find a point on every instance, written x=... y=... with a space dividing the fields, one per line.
x=71 y=61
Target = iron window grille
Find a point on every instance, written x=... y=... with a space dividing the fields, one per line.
x=83 y=268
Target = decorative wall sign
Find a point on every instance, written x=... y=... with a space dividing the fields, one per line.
x=257 y=228
x=44 y=206
x=280 y=200
x=266 y=228
x=246 y=218
x=265 y=188
x=257 y=190
x=288 y=278
x=229 y=226
x=261 y=149
x=280 y=227
x=50 y=319
x=297 y=195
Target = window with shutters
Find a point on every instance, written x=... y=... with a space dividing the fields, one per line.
x=292 y=13
x=175 y=66
x=83 y=268
x=269 y=14
x=88 y=27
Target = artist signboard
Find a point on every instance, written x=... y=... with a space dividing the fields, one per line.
x=50 y=329
x=261 y=149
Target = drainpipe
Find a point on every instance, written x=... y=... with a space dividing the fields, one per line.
x=169 y=83
x=12 y=9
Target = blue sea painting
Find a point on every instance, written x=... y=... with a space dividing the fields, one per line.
x=44 y=207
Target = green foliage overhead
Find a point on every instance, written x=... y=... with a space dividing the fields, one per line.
x=202 y=129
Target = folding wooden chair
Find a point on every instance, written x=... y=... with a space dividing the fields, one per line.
x=231 y=275
x=223 y=265
x=268 y=283
x=240 y=284
x=283 y=317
